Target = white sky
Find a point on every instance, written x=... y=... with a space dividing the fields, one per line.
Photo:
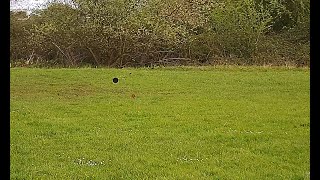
x=30 y=5
x=27 y=4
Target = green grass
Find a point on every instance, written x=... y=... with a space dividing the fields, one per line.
x=184 y=123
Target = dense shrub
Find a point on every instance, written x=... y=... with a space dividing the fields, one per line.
x=18 y=35
x=119 y=33
x=239 y=26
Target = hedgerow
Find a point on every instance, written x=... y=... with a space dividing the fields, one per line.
x=119 y=33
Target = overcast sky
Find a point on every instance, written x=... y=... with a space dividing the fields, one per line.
x=27 y=4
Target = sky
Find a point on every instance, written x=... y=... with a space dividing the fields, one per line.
x=27 y=4
x=30 y=5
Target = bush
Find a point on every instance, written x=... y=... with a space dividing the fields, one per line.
x=117 y=33
x=238 y=27
x=286 y=14
x=19 y=24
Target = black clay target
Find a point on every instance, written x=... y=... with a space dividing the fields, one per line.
x=115 y=80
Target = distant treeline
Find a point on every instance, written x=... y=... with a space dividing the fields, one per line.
x=120 y=33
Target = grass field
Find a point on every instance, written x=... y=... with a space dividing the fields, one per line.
x=165 y=123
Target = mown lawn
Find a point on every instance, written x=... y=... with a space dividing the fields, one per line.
x=165 y=123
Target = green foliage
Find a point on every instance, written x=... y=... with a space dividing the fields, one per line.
x=239 y=26
x=57 y=38
x=18 y=35
x=119 y=33
x=287 y=13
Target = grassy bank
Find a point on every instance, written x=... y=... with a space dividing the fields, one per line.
x=170 y=123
